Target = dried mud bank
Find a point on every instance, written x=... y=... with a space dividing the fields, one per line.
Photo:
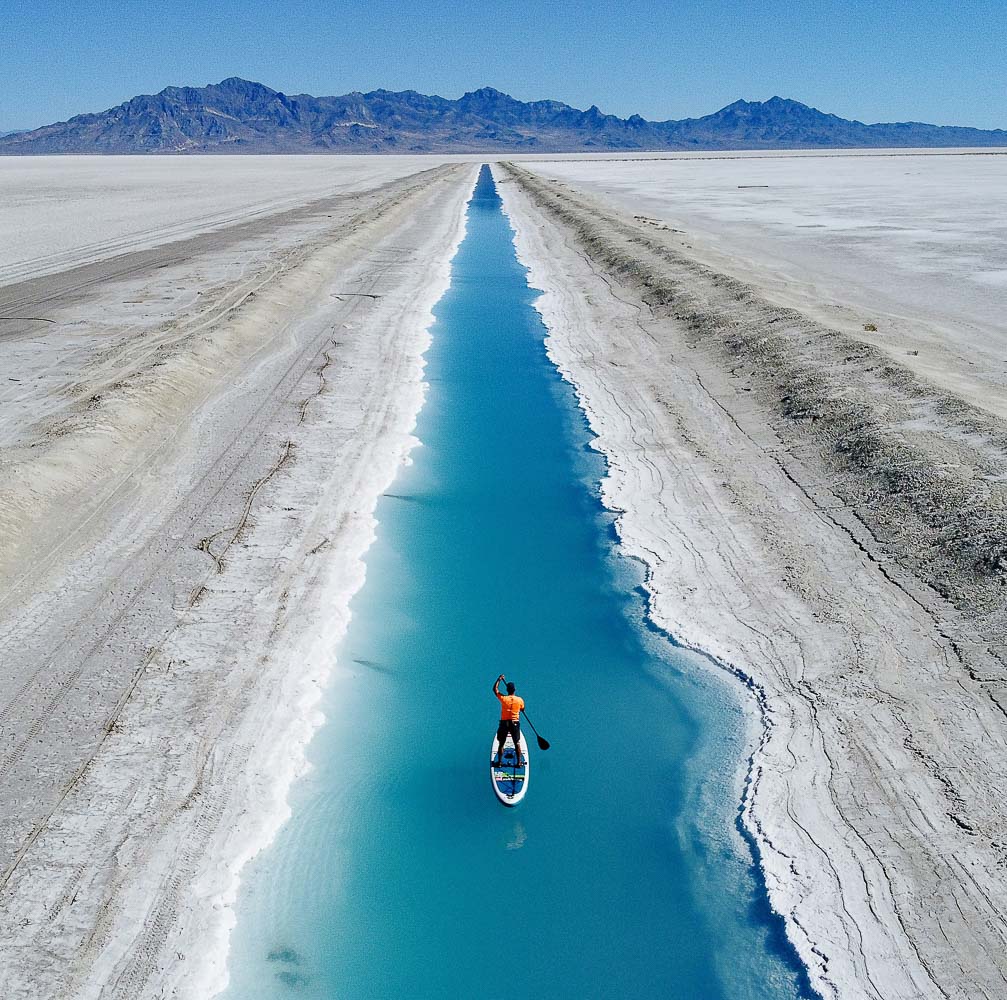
x=834 y=529
x=193 y=444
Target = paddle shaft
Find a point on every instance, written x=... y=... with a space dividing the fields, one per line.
x=543 y=744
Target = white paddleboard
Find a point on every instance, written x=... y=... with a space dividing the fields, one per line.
x=510 y=780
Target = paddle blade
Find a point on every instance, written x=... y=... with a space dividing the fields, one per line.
x=543 y=744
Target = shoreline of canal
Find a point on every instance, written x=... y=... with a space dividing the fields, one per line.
x=299 y=711
x=758 y=556
x=745 y=687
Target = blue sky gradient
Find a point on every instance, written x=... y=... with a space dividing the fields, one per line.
x=917 y=60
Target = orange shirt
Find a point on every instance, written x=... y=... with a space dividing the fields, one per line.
x=510 y=707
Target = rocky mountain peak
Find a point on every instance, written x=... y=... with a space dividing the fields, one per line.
x=238 y=115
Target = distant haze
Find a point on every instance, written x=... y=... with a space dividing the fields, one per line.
x=239 y=116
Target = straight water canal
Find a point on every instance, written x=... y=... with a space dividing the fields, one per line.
x=623 y=873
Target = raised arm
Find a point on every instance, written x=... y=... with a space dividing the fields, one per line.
x=496 y=687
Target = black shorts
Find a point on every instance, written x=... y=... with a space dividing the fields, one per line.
x=509 y=726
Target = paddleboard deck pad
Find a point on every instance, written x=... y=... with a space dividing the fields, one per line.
x=510 y=778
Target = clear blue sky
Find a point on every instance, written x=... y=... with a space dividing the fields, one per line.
x=883 y=60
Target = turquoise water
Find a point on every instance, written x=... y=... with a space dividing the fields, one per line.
x=623 y=873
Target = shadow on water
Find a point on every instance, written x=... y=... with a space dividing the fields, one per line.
x=378 y=668
x=626 y=872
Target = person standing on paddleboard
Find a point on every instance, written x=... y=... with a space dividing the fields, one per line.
x=511 y=706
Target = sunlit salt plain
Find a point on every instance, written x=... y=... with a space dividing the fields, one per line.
x=59 y=211
x=914 y=243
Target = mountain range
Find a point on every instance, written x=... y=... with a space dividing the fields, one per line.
x=238 y=116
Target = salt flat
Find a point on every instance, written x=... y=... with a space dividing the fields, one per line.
x=195 y=425
x=914 y=243
x=826 y=521
x=202 y=405
x=59 y=211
